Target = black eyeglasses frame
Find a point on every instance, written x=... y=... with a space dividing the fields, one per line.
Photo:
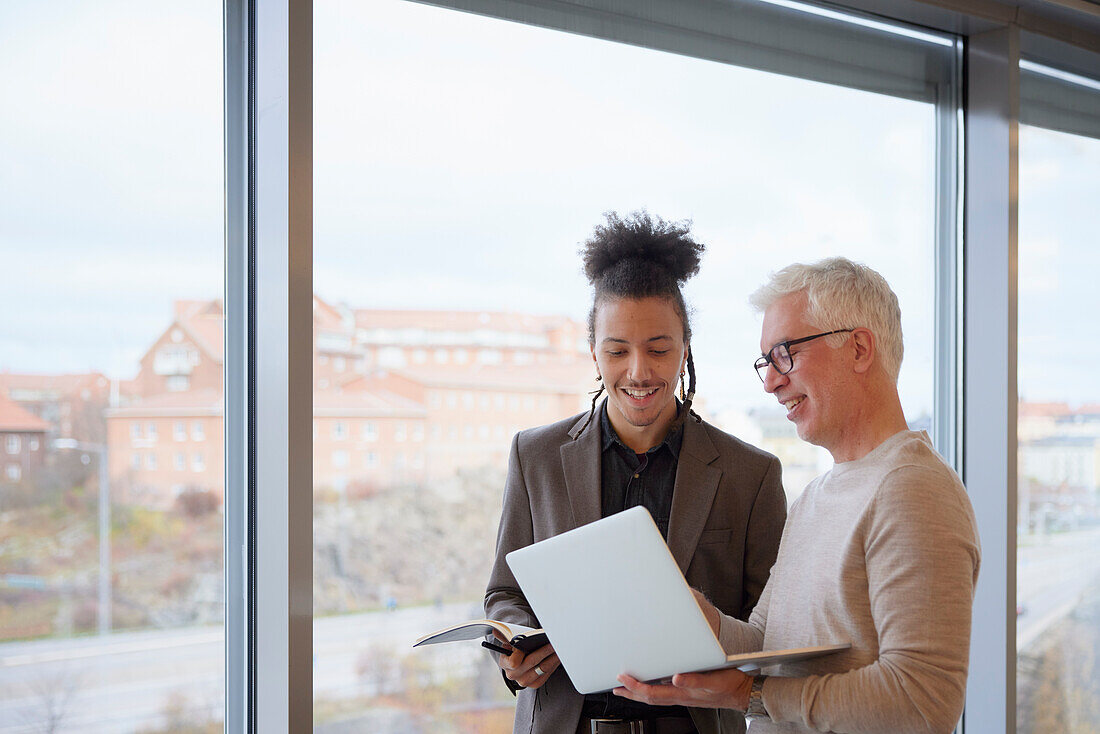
x=764 y=360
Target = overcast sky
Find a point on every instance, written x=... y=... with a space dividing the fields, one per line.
x=460 y=161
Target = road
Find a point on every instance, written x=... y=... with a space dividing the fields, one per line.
x=1051 y=573
x=125 y=681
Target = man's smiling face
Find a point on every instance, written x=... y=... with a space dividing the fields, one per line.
x=639 y=351
x=815 y=392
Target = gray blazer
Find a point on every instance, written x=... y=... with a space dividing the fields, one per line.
x=728 y=510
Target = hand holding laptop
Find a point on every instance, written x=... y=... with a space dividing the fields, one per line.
x=718 y=689
x=612 y=599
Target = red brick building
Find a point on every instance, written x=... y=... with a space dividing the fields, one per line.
x=400 y=397
x=71 y=404
x=23 y=437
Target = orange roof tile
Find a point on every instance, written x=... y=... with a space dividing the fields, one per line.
x=365 y=403
x=14 y=418
x=457 y=320
x=1039 y=410
x=205 y=322
x=58 y=385
x=555 y=377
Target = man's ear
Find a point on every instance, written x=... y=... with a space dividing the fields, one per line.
x=863 y=341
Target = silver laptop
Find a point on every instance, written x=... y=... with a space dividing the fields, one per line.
x=612 y=600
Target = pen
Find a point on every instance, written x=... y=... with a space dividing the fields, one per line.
x=496 y=647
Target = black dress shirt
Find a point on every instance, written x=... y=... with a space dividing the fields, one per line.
x=627 y=480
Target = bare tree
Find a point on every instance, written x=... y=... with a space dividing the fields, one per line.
x=53 y=695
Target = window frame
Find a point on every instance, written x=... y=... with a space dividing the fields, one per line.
x=268 y=375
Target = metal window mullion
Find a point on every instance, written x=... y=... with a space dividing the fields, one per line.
x=236 y=366
x=947 y=374
x=989 y=367
x=283 y=317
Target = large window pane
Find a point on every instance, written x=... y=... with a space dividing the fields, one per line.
x=1058 y=533
x=111 y=212
x=459 y=163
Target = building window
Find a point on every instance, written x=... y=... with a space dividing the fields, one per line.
x=441 y=356
x=14 y=472
x=198 y=463
x=151 y=431
x=135 y=461
x=462 y=356
x=372 y=459
x=176 y=360
x=339 y=431
x=419 y=356
x=400 y=432
x=452 y=400
x=151 y=461
x=339 y=364
x=418 y=432
x=370 y=431
x=177 y=383
x=34 y=444
x=198 y=431
x=340 y=459
x=181 y=461
x=179 y=431
x=13 y=444
x=489 y=356
x=135 y=430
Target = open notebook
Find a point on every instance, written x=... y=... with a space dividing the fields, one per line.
x=612 y=600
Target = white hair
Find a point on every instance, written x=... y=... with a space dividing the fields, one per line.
x=842 y=294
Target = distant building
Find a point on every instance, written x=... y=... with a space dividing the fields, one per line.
x=400 y=397
x=23 y=437
x=161 y=445
x=71 y=404
x=801 y=461
x=1058 y=465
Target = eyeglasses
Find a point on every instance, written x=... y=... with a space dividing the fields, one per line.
x=780 y=355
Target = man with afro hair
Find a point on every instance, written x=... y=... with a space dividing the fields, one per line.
x=718 y=501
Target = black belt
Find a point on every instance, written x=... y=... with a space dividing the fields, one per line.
x=661 y=725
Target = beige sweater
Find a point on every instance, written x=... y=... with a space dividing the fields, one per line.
x=881 y=552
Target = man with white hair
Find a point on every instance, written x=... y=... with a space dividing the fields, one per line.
x=881 y=551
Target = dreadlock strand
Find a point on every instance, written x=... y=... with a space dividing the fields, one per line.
x=686 y=410
x=595 y=396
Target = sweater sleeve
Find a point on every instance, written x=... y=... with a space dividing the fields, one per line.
x=737 y=637
x=921 y=561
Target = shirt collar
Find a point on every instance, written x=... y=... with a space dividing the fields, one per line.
x=673 y=439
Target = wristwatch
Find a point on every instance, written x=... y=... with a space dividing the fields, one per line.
x=756 y=698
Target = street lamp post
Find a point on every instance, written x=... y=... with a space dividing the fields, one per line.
x=103 y=618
